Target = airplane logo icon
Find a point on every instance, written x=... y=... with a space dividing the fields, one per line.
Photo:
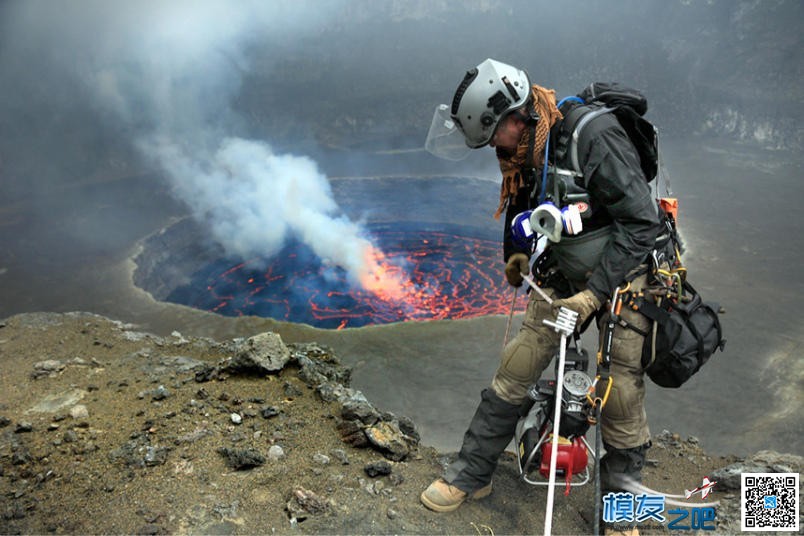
x=705 y=488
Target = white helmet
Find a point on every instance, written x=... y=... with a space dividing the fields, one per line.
x=486 y=95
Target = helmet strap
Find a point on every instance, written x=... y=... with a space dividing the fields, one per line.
x=529 y=170
x=533 y=116
x=527 y=113
x=531 y=145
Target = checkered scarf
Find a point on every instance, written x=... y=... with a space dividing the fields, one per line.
x=544 y=101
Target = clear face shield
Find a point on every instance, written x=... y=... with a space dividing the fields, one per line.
x=445 y=139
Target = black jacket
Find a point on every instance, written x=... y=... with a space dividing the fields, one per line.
x=619 y=195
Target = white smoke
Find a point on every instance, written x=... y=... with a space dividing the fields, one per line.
x=253 y=197
x=167 y=73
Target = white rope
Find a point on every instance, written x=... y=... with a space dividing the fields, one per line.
x=565 y=325
x=510 y=317
x=537 y=288
x=548 y=516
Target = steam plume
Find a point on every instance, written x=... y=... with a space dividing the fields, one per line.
x=167 y=73
x=252 y=198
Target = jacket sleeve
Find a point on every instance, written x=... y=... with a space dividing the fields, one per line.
x=516 y=205
x=615 y=181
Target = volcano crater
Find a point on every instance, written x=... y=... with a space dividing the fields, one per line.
x=437 y=232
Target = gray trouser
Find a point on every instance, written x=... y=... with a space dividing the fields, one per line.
x=490 y=431
x=624 y=422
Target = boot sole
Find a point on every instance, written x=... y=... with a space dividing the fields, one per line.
x=442 y=508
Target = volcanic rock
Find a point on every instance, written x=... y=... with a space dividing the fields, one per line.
x=764 y=461
x=321 y=459
x=380 y=468
x=276 y=453
x=352 y=433
x=291 y=390
x=49 y=367
x=155 y=456
x=303 y=502
x=160 y=393
x=79 y=411
x=269 y=411
x=340 y=455
x=357 y=408
x=331 y=391
x=205 y=373
x=58 y=401
x=240 y=459
x=390 y=440
x=23 y=427
x=319 y=364
x=264 y=353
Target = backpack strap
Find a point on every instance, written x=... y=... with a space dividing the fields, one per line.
x=571 y=118
x=576 y=135
x=575 y=123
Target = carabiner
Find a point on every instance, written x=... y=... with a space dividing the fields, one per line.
x=598 y=400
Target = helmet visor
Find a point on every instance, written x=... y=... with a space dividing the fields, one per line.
x=444 y=139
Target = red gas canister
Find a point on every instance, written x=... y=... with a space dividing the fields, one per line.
x=571 y=458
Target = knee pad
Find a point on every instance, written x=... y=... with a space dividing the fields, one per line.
x=523 y=361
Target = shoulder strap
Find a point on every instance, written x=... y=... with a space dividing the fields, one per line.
x=576 y=135
x=571 y=118
x=576 y=119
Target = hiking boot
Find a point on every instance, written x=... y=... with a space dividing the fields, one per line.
x=441 y=497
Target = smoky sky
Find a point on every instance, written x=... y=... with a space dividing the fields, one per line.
x=229 y=99
x=164 y=75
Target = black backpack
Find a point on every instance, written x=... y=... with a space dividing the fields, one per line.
x=627 y=104
x=683 y=336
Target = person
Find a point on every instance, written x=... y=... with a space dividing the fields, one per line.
x=497 y=105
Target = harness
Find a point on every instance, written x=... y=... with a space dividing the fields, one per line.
x=561 y=181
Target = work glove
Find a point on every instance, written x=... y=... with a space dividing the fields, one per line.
x=516 y=266
x=584 y=303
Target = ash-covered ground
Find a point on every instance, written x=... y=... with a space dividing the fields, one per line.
x=107 y=429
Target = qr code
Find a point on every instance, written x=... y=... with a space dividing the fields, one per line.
x=769 y=502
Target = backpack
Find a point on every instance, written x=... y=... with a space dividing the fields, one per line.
x=682 y=337
x=628 y=105
x=684 y=332
x=684 y=329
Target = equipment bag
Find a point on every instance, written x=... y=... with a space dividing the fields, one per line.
x=628 y=105
x=684 y=334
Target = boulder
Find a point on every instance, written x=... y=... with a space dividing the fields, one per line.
x=764 y=461
x=264 y=353
x=389 y=440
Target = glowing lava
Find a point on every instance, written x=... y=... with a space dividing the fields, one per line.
x=382 y=278
x=411 y=275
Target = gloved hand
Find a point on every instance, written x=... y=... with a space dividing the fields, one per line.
x=584 y=303
x=516 y=266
